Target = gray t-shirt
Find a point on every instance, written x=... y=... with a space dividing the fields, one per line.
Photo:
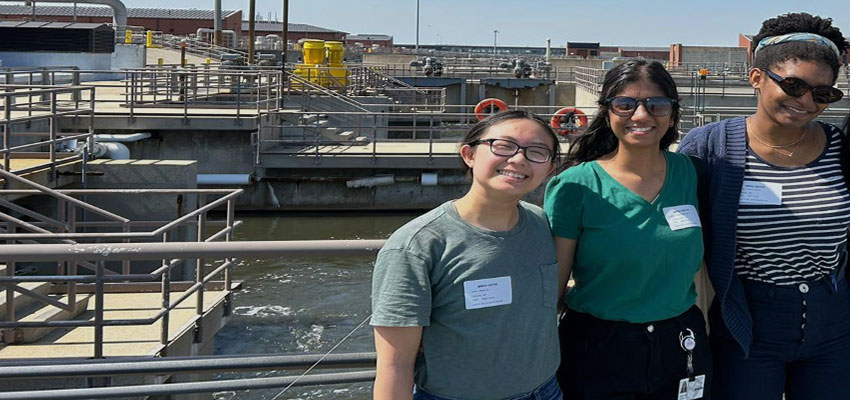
x=493 y=352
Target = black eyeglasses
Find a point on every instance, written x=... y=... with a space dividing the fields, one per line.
x=624 y=106
x=507 y=148
x=796 y=87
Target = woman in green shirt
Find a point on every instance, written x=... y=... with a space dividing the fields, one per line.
x=626 y=226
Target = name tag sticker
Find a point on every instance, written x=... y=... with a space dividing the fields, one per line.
x=484 y=293
x=691 y=389
x=761 y=193
x=681 y=217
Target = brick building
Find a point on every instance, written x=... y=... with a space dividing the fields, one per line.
x=295 y=32
x=369 y=40
x=713 y=58
x=583 y=49
x=176 y=21
x=653 y=53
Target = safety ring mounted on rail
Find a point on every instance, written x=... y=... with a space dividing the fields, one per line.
x=486 y=107
x=568 y=120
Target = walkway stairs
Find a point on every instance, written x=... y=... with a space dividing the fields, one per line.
x=28 y=309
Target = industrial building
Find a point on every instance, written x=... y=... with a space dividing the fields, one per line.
x=595 y=50
x=369 y=41
x=295 y=32
x=176 y=21
x=707 y=56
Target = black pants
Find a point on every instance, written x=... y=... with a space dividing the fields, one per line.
x=615 y=360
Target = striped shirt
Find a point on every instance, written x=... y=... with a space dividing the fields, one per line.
x=796 y=240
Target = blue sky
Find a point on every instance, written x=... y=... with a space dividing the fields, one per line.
x=530 y=22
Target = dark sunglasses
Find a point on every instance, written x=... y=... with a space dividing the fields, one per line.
x=624 y=106
x=796 y=87
x=507 y=148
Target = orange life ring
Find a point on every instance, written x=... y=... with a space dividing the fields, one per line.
x=489 y=106
x=573 y=114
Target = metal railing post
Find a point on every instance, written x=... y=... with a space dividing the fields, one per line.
x=98 y=313
x=238 y=99
x=7 y=154
x=199 y=272
x=166 y=300
x=53 y=127
x=9 y=334
x=431 y=140
x=374 y=138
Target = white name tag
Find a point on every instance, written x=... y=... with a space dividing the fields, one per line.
x=690 y=390
x=484 y=293
x=681 y=217
x=761 y=193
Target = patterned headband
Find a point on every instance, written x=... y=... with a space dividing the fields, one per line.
x=797 y=37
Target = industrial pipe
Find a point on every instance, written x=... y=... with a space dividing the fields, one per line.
x=217 y=24
x=224 y=179
x=226 y=32
x=111 y=150
x=251 y=38
x=121 y=138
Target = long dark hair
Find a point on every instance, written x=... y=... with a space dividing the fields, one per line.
x=599 y=139
x=479 y=129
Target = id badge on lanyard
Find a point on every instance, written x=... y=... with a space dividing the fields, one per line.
x=692 y=387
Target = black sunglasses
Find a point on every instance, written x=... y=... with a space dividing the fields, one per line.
x=624 y=106
x=796 y=87
x=507 y=148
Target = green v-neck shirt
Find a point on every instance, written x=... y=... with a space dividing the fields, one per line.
x=629 y=264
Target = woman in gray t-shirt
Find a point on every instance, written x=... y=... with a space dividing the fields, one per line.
x=464 y=297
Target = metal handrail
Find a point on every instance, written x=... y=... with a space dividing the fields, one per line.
x=171 y=365
x=293 y=78
x=190 y=387
x=49 y=108
x=231 y=195
x=100 y=253
x=190 y=250
x=61 y=196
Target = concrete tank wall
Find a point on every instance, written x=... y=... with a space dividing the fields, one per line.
x=129 y=56
x=125 y=56
x=565 y=94
x=44 y=59
x=219 y=152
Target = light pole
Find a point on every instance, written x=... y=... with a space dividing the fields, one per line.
x=417 y=27
x=495 y=34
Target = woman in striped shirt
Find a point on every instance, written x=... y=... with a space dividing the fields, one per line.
x=777 y=235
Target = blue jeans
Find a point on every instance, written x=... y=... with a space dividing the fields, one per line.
x=801 y=344
x=546 y=391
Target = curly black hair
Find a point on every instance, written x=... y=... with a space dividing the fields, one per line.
x=801 y=51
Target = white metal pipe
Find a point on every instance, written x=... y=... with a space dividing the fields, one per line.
x=111 y=150
x=122 y=138
x=370 y=181
x=224 y=179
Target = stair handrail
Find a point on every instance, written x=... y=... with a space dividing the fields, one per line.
x=391 y=79
x=323 y=90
